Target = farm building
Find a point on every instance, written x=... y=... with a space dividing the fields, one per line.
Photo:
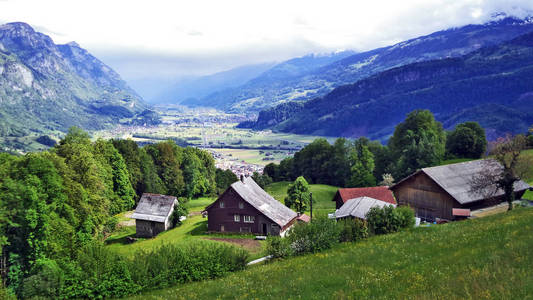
x=435 y=192
x=152 y=215
x=246 y=207
x=359 y=207
x=378 y=192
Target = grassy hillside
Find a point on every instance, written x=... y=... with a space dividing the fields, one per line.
x=322 y=195
x=195 y=227
x=487 y=258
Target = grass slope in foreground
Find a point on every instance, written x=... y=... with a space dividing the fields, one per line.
x=487 y=258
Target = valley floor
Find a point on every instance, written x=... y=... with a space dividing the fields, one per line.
x=485 y=258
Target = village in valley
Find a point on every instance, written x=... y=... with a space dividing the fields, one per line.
x=273 y=150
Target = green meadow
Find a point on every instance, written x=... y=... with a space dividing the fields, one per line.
x=485 y=258
x=195 y=226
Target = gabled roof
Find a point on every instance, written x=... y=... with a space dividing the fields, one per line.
x=154 y=207
x=304 y=218
x=262 y=201
x=359 y=207
x=456 y=180
x=378 y=192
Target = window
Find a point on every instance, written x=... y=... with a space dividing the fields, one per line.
x=249 y=219
x=241 y=205
x=236 y=218
x=245 y=229
x=221 y=204
x=222 y=228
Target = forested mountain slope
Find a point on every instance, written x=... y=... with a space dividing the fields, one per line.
x=491 y=86
x=319 y=79
x=44 y=86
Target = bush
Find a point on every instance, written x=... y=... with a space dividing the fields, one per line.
x=389 y=219
x=172 y=264
x=316 y=236
x=101 y=273
x=407 y=216
x=352 y=230
x=278 y=247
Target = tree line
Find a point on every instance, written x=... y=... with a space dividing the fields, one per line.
x=419 y=141
x=56 y=202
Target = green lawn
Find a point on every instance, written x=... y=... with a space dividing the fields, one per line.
x=322 y=195
x=193 y=228
x=486 y=258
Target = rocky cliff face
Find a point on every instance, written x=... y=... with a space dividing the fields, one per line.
x=44 y=86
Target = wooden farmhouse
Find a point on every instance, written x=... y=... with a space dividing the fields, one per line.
x=435 y=192
x=152 y=215
x=246 y=207
x=359 y=207
x=378 y=192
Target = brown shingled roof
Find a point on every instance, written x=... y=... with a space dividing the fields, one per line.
x=378 y=192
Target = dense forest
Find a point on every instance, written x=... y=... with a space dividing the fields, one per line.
x=57 y=206
x=419 y=141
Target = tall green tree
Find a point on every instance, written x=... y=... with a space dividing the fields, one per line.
x=417 y=142
x=362 y=165
x=312 y=161
x=467 y=140
x=298 y=195
x=339 y=163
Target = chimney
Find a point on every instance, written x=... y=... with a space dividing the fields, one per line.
x=242 y=178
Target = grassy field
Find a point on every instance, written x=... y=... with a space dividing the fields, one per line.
x=322 y=196
x=487 y=258
x=258 y=157
x=195 y=226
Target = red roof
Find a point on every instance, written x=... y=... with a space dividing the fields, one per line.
x=461 y=212
x=304 y=218
x=378 y=192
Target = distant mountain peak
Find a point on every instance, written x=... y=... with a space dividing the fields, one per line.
x=17 y=26
x=73 y=44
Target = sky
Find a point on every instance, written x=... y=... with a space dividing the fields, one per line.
x=165 y=40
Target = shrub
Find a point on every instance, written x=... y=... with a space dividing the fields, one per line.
x=278 y=247
x=101 y=273
x=352 y=230
x=407 y=216
x=389 y=219
x=171 y=264
x=316 y=236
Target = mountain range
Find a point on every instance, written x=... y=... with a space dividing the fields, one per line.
x=192 y=89
x=274 y=86
x=303 y=79
x=47 y=87
x=492 y=85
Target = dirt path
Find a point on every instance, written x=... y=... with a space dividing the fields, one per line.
x=248 y=244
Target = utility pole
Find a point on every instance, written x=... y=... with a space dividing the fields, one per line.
x=311 y=203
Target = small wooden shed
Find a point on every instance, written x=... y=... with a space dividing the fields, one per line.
x=434 y=192
x=152 y=215
x=246 y=207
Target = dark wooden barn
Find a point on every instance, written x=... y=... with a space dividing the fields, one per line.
x=246 y=207
x=152 y=215
x=377 y=192
x=435 y=192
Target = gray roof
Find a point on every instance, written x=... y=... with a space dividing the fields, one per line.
x=263 y=202
x=154 y=207
x=457 y=180
x=359 y=207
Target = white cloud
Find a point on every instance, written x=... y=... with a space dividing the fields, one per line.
x=201 y=36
